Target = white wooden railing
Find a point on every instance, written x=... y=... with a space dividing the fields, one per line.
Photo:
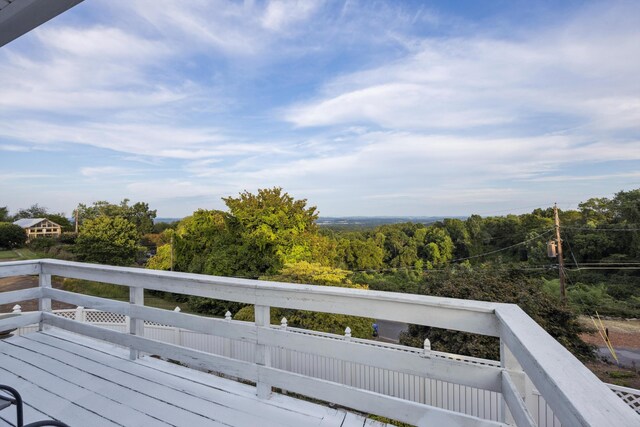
x=418 y=388
x=270 y=356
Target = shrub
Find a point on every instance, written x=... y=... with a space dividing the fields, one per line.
x=497 y=286
x=12 y=236
x=42 y=244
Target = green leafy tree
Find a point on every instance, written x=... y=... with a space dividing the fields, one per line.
x=138 y=214
x=459 y=235
x=272 y=225
x=34 y=211
x=162 y=259
x=61 y=220
x=107 y=240
x=12 y=236
x=439 y=247
x=205 y=243
x=367 y=254
x=4 y=214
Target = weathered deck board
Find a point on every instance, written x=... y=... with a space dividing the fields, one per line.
x=87 y=382
x=8 y=416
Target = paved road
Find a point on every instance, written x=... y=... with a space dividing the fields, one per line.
x=390 y=331
x=627 y=357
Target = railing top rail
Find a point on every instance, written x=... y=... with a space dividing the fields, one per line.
x=573 y=392
x=567 y=385
x=455 y=314
x=19 y=268
x=253 y=284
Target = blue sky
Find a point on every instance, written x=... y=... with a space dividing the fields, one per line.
x=361 y=107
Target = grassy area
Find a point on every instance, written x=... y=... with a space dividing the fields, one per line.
x=20 y=254
x=120 y=293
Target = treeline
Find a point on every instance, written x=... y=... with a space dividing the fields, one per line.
x=271 y=235
x=108 y=233
x=259 y=234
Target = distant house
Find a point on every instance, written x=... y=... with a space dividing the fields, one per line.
x=39 y=227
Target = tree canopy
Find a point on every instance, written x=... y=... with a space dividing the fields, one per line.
x=107 y=240
x=138 y=214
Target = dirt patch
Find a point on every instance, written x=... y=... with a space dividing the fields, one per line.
x=24 y=282
x=612 y=374
x=622 y=333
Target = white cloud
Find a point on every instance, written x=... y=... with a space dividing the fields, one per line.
x=581 y=71
x=108 y=171
x=280 y=14
x=145 y=139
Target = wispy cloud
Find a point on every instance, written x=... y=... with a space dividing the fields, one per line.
x=364 y=107
x=280 y=14
x=102 y=171
x=582 y=72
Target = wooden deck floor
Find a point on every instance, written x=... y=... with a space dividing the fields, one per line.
x=85 y=382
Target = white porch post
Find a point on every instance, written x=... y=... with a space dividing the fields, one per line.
x=524 y=386
x=263 y=352
x=136 y=326
x=44 y=304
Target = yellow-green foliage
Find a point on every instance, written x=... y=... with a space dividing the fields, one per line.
x=161 y=260
x=315 y=274
x=107 y=240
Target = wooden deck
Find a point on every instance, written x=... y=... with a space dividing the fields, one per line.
x=85 y=382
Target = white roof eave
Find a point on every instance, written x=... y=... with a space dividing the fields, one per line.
x=18 y=17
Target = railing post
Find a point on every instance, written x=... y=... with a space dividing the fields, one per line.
x=283 y=351
x=263 y=352
x=524 y=386
x=44 y=304
x=136 y=326
x=226 y=342
x=177 y=339
x=79 y=315
x=17 y=309
x=344 y=373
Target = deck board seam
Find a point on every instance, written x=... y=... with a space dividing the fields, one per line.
x=89 y=391
x=7 y=421
x=200 y=382
x=61 y=397
x=112 y=382
x=57 y=340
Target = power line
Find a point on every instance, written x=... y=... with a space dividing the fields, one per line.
x=503 y=249
x=603 y=229
x=606 y=268
x=610 y=263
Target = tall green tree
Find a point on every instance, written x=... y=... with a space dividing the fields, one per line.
x=34 y=211
x=107 y=240
x=4 y=214
x=274 y=226
x=138 y=214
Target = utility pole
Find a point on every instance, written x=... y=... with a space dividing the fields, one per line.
x=563 y=290
x=171 y=250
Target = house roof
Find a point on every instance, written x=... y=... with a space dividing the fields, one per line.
x=30 y=222
x=18 y=17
